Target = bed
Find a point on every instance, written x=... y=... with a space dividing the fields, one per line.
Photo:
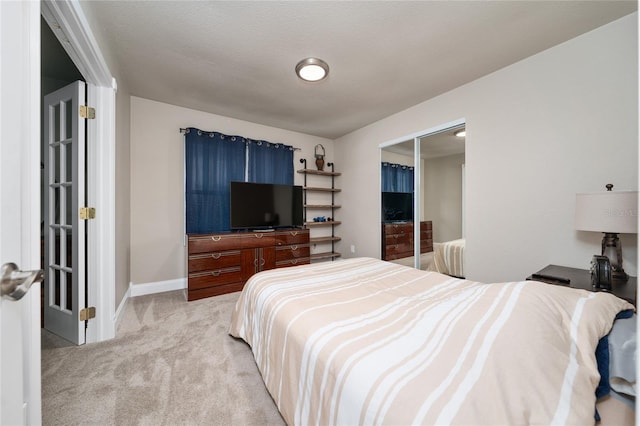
x=448 y=258
x=363 y=341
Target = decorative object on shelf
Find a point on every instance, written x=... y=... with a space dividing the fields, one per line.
x=613 y=213
x=319 y=154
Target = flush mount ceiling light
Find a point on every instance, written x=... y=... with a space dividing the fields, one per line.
x=461 y=133
x=312 y=69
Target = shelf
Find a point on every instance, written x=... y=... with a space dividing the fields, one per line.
x=333 y=222
x=328 y=241
x=318 y=172
x=315 y=188
x=318 y=240
x=325 y=255
x=321 y=206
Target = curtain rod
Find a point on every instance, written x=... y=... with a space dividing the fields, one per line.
x=184 y=131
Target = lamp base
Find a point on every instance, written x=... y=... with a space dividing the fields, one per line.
x=612 y=248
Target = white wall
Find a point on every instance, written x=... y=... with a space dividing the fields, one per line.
x=539 y=131
x=442 y=196
x=157 y=180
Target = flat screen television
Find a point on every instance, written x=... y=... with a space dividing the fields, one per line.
x=265 y=206
x=397 y=206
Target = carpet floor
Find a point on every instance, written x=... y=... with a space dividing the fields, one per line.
x=171 y=363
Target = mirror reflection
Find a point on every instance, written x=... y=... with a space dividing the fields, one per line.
x=440 y=194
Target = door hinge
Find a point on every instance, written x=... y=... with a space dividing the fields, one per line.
x=87 y=213
x=87 y=313
x=87 y=112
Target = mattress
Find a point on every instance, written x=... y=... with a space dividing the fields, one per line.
x=363 y=341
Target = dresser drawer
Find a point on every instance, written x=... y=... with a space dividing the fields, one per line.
x=293 y=262
x=395 y=249
x=297 y=236
x=215 y=260
x=206 y=279
x=398 y=239
x=230 y=241
x=292 y=252
x=426 y=235
x=398 y=228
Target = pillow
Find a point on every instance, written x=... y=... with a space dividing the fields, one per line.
x=622 y=356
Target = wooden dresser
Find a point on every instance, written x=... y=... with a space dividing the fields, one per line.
x=397 y=239
x=222 y=263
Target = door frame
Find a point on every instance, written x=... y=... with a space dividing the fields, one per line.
x=68 y=22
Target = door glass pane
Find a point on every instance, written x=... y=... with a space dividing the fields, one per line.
x=56 y=122
x=68 y=119
x=69 y=247
x=54 y=287
x=69 y=290
x=55 y=207
x=68 y=156
x=56 y=248
x=56 y=163
x=68 y=191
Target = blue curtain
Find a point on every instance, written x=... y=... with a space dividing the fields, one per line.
x=397 y=178
x=212 y=160
x=270 y=163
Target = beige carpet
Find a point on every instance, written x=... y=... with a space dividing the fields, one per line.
x=171 y=363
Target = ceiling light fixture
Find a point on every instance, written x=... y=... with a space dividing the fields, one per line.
x=461 y=133
x=312 y=69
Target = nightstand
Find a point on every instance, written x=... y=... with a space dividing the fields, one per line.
x=581 y=278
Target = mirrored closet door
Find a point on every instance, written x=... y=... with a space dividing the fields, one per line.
x=437 y=157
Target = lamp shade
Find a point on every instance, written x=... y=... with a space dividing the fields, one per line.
x=610 y=211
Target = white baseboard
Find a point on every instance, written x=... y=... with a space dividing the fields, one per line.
x=118 y=314
x=157 y=287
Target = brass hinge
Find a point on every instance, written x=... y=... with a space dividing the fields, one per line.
x=87 y=112
x=87 y=213
x=87 y=313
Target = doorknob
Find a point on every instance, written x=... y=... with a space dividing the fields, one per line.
x=15 y=283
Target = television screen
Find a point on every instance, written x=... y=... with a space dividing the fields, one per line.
x=397 y=206
x=265 y=205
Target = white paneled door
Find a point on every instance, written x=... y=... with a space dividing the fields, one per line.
x=20 y=208
x=64 y=230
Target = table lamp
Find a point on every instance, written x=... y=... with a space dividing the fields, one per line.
x=613 y=213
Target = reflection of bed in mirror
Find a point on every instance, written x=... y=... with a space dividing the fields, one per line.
x=448 y=258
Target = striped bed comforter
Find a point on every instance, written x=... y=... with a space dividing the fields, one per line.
x=362 y=341
x=448 y=257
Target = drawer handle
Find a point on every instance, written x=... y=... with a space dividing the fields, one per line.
x=216 y=238
x=259 y=235
x=294 y=248
x=293 y=233
x=215 y=273
x=215 y=255
x=262 y=262
x=294 y=261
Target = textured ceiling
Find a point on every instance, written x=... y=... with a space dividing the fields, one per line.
x=237 y=58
